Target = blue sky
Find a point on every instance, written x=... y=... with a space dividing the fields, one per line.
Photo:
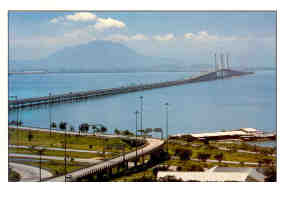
x=191 y=37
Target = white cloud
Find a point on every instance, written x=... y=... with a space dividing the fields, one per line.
x=204 y=36
x=139 y=37
x=99 y=23
x=165 y=37
x=105 y=23
x=81 y=16
x=56 y=20
x=201 y=36
x=120 y=37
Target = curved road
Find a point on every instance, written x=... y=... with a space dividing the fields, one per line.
x=83 y=160
x=29 y=173
x=153 y=144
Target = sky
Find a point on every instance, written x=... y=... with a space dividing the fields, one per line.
x=190 y=37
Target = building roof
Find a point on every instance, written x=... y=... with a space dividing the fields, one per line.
x=219 y=134
x=217 y=174
x=249 y=129
x=205 y=176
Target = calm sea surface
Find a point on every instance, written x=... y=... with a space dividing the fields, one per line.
x=247 y=101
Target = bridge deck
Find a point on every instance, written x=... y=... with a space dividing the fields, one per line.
x=29 y=102
x=154 y=144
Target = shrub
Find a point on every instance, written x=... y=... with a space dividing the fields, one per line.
x=30 y=136
x=183 y=154
x=170 y=179
x=219 y=157
x=196 y=168
x=203 y=156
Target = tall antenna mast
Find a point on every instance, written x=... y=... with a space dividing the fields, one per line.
x=222 y=61
x=215 y=61
x=227 y=60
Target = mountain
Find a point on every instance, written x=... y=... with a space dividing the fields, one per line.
x=98 y=56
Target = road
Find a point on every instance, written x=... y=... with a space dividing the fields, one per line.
x=52 y=148
x=83 y=160
x=153 y=144
x=29 y=173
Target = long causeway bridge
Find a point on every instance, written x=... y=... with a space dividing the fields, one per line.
x=30 y=102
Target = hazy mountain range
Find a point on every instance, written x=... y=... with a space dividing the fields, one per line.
x=101 y=56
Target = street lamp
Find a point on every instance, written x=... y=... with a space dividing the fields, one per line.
x=63 y=126
x=141 y=110
x=40 y=153
x=166 y=105
x=17 y=121
x=136 y=114
x=50 y=113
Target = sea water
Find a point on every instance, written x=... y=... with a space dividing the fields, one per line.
x=246 y=101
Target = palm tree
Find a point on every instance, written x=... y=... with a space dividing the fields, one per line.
x=53 y=125
x=94 y=127
x=103 y=129
x=84 y=127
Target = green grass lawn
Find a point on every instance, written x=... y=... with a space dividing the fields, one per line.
x=232 y=155
x=21 y=137
x=55 y=153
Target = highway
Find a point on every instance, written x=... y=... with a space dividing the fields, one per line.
x=29 y=173
x=153 y=144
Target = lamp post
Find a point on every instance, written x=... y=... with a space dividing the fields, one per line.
x=63 y=126
x=141 y=110
x=166 y=104
x=40 y=153
x=136 y=114
x=50 y=113
x=17 y=121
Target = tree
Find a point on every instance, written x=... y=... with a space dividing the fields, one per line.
x=53 y=125
x=95 y=129
x=266 y=161
x=184 y=154
x=219 y=157
x=127 y=132
x=116 y=131
x=103 y=129
x=84 y=127
x=30 y=136
x=203 y=156
x=63 y=125
x=270 y=174
x=196 y=168
x=72 y=129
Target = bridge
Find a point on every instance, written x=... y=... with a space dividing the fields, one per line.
x=106 y=167
x=67 y=97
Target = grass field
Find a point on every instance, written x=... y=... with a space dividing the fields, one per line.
x=21 y=137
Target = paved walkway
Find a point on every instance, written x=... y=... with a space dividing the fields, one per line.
x=29 y=173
